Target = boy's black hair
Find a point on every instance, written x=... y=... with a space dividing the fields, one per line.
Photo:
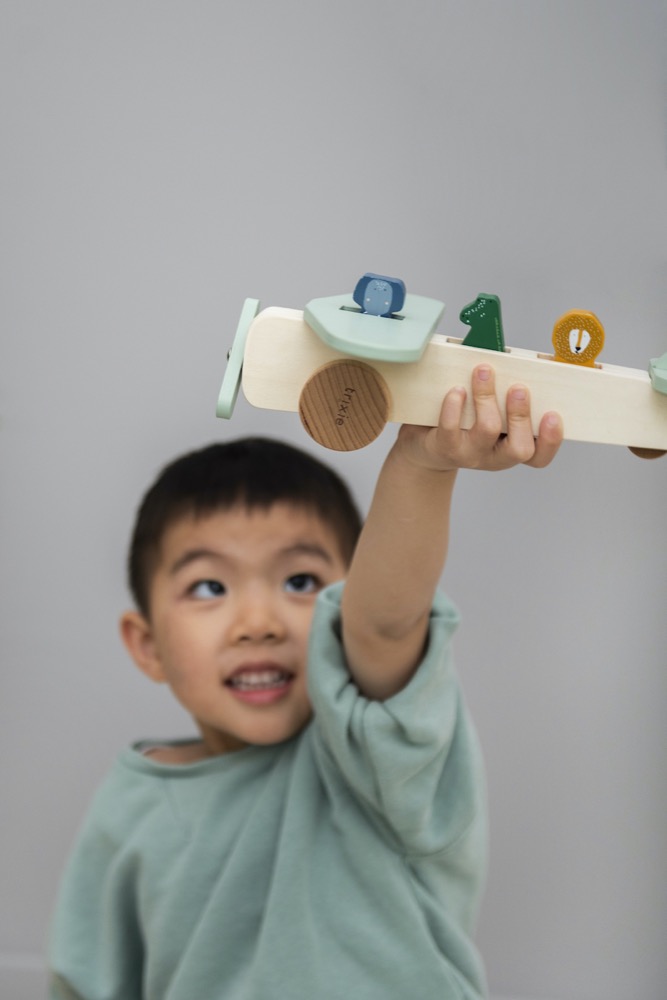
x=254 y=472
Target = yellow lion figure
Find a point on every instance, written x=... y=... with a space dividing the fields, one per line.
x=578 y=338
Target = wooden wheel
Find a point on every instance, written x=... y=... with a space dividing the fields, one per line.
x=344 y=405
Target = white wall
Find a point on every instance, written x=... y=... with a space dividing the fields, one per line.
x=164 y=160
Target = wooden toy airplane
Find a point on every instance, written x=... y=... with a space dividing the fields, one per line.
x=350 y=363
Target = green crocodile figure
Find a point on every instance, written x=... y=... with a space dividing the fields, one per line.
x=485 y=322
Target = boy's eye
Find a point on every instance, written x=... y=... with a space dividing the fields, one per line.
x=204 y=590
x=303 y=583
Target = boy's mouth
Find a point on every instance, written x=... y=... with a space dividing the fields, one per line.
x=259 y=678
x=260 y=683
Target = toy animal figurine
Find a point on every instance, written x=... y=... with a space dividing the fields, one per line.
x=347 y=372
x=578 y=338
x=486 y=325
x=378 y=295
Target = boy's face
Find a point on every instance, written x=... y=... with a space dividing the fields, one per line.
x=231 y=606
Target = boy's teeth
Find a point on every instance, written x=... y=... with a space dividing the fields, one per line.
x=260 y=679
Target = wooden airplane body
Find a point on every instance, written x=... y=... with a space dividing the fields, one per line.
x=345 y=400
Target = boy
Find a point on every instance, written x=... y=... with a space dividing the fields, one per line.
x=325 y=836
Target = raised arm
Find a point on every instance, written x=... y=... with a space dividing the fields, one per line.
x=402 y=549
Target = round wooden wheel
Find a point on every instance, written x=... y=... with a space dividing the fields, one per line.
x=344 y=405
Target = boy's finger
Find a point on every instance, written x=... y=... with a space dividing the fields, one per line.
x=488 y=421
x=548 y=440
x=448 y=435
x=451 y=413
x=520 y=443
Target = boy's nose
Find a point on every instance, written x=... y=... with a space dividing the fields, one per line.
x=256 y=621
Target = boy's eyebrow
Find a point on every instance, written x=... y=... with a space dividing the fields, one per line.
x=191 y=556
x=299 y=548
x=307 y=549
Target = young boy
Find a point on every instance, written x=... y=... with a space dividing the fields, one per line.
x=325 y=835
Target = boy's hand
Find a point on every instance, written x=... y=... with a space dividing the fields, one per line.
x=448 y=447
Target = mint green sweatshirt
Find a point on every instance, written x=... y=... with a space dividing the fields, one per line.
x=343 y=864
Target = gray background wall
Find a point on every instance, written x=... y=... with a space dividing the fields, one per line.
x=161 y=162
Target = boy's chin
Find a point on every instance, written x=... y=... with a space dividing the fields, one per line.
x=264 y=734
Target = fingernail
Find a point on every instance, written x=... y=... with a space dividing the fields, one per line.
x=519 y=394
x=484 y=373
x=552 y=420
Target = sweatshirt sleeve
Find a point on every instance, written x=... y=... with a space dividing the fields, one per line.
x=414 y=758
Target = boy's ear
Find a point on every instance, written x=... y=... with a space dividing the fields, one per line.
x=137 y=636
